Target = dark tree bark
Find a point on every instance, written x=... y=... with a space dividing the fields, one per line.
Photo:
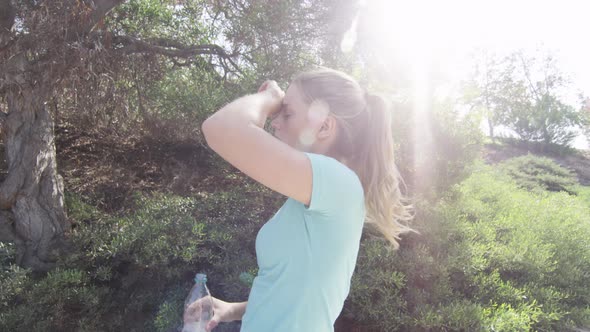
x=7 y=15
x=32 y=211
x=32 y=65
x=33 y=190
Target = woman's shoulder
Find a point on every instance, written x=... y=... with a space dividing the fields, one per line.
x=335 y=178
x=332 y=164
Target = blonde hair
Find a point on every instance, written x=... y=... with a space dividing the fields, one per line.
x=365 y=141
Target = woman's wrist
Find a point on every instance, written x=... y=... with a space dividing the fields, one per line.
x=237 y=310
x=270 y=102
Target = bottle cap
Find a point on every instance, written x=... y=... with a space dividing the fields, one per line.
x=201 y=277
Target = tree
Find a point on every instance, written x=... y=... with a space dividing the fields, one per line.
x=585 y=110
x=35 y=56
x=491 y=89
x=545 y=117
x=79 y=51
x=526 y=94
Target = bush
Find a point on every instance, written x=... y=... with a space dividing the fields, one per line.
x=64 y=299
x=489 y=257
x=524 y=250
x=132 y=272
x=537 y=148
x=13 y=283
x=539 y=173
x=583 y=193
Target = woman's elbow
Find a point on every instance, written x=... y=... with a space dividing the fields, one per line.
x=207 y=130
x=212 y=130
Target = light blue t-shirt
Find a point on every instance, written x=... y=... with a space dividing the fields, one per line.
x=306 y=255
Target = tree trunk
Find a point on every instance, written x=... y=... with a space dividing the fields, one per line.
x=491 y=126
x=32 y=190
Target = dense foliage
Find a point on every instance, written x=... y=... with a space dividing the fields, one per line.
x=488 y=256
x=132 y=272
x=526 y=94
x=496 y=249
x=540 y=173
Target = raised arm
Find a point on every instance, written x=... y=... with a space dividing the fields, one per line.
x=236 y=132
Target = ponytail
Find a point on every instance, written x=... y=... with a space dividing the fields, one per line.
x=365 y=141
x=387 y=208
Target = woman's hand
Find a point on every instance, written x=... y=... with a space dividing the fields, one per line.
x=275 y=94
x=223 y=312
x=273 y=88
x=212 y=309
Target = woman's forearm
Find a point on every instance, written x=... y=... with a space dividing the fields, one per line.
x=250 y=109
x=238 y=310
x=237 y=124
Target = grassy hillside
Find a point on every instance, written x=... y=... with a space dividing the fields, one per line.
x=503 y=250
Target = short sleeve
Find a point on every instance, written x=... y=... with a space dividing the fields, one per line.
x=335 y=187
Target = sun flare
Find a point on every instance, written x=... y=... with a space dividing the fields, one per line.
x=416 y=40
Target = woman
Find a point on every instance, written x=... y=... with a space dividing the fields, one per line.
x=332 y=155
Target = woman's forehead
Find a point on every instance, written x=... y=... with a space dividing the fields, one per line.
x=294 y=98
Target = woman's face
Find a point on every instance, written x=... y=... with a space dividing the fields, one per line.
x=298 y=123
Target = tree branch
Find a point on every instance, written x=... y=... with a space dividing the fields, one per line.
x=173 y=49
x=525 y=67
x=7 y=16
x=101 y=8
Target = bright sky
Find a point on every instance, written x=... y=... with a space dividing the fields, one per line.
x=447 y=30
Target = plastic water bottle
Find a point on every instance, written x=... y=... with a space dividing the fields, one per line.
x=198 y=306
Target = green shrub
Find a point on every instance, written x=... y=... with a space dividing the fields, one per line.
x=505 y=318
x=525 y=250
x=169 y=312
x=489 y=257
x=462 y=315
x=540 y=148
x=13 y=279
x=375 y=288
x=132 y=272
x=533 y=173
x=397 y=290
x=63 y=300
x=583 y=193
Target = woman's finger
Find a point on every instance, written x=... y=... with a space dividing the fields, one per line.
x=264 y=86
x=273 y=88
x=212 y=324
x=194 y=311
